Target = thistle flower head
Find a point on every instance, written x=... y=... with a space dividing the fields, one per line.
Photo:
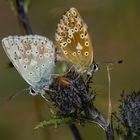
x=72 y=94
x=129 y=112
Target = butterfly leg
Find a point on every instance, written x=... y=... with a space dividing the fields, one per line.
x=44 y=92
x=42 y=95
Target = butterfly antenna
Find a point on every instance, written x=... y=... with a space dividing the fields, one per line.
x=11 y=97
x=109 y=94
x=42 y=95
x=110 y=62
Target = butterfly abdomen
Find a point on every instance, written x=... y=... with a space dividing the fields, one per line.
x=65 y=82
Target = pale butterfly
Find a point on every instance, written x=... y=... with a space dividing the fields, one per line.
x=74 y=42
x=34 y=58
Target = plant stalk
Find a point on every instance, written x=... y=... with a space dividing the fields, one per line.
x=75 y=132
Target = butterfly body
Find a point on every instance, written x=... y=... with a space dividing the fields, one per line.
x=64 y=81
x=34 y=58
x=74 y=41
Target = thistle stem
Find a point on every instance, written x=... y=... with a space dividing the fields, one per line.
x=95 y=117
x=109 y=132
x=75 y=132
x=23 y=17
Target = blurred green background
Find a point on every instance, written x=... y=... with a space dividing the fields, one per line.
x=115 y=29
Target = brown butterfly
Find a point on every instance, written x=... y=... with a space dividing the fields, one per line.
x=74 y=42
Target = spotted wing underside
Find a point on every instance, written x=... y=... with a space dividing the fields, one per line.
x=74 y=41
x=32 y=55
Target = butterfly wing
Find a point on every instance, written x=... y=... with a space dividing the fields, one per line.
x=32 y=55
x=74 y=41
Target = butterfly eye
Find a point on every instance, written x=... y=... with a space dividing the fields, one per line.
x=86 y=43
x=86 y=53
x=95 y=67
x=32 y=92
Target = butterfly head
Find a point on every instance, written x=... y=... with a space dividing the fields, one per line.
x=32 y=91
x=92 y=69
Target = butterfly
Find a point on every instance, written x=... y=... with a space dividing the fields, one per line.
x=74 y=42
x=34 y=58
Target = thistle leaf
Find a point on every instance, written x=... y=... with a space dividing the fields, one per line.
x=54 y=122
